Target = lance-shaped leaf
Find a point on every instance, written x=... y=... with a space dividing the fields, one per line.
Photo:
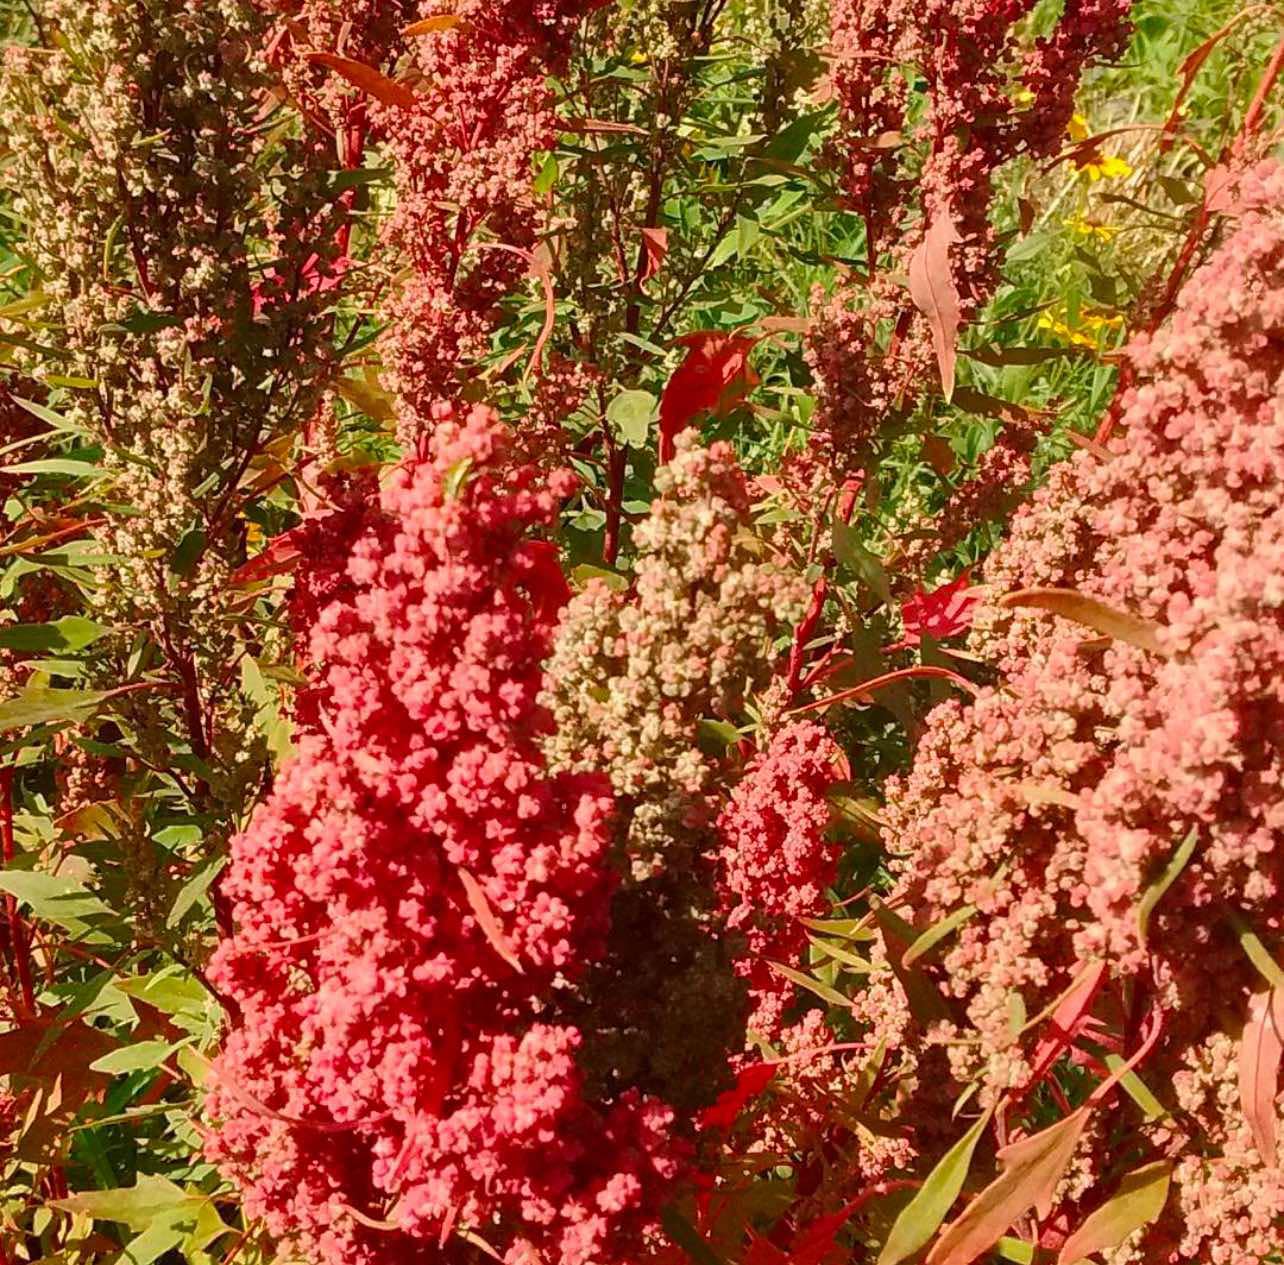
x=486 y=920
x=1138 y=1201
x=430 y=26
x=371 y=81
x=1162 y=881
x=1065 y=1022
x=935 y=295
x=1093 y=613
x=921 y=1217
x=1032 y=1168
x=1259 y=1069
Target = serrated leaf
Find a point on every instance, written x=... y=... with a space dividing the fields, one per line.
x=1138 y=1201
x=55 y=899
x=922 y=1216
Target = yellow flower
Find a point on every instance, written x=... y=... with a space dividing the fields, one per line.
x=639 y=58
x=1087 y=331
x=1107 y=167
x=1023 y=97
x=1090 y=228
x=1078 y=129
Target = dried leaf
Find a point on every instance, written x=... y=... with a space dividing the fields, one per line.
x=430 y=26
x=1032 y=1168
x=486 y=920
x=1259 y=1068
x=371 y=81
x=1093 y=613
x=935 y=295
x=1138 y=1201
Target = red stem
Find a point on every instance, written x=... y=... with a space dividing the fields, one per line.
x=19 y=943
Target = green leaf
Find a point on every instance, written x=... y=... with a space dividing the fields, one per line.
x=823 y=991
x=188 y=552
x=864 y=565
x=193 y=891
x=171 y=992
x=632 y=413
x=1155 y=890
x=936 y=933
x=1135 y=1087
x=547 y=177
x=70 y=634
x=57 y=465
x=687 y=1237
x=163 y=1214
x=1257 y=953
x=922 y=1216
x=143 y=1056
x=55 y=899
x=1139 y=1200
x=36 y=706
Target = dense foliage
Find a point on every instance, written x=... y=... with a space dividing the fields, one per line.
x=641 y=630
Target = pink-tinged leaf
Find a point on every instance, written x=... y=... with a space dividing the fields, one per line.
x=486 y=920
x=750 y=1082
x=1093 y=613
x=655 y=246
x=1138 y=1201
x=369 y=80
x=1065 y=1023
x=1259 y=1069
x=1032 y=1168
x=1220 y=187
x=935 y=295
x=714 y=376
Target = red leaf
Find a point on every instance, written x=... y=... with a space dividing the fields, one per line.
x=486 y=920
x=368 y=79
x=281 y=554
x=1066 y=1022
x=1259 y=1069
x=655 y=244
x=944 y=612
x=935 y=295
x=750 y=1082
x=712 y=378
